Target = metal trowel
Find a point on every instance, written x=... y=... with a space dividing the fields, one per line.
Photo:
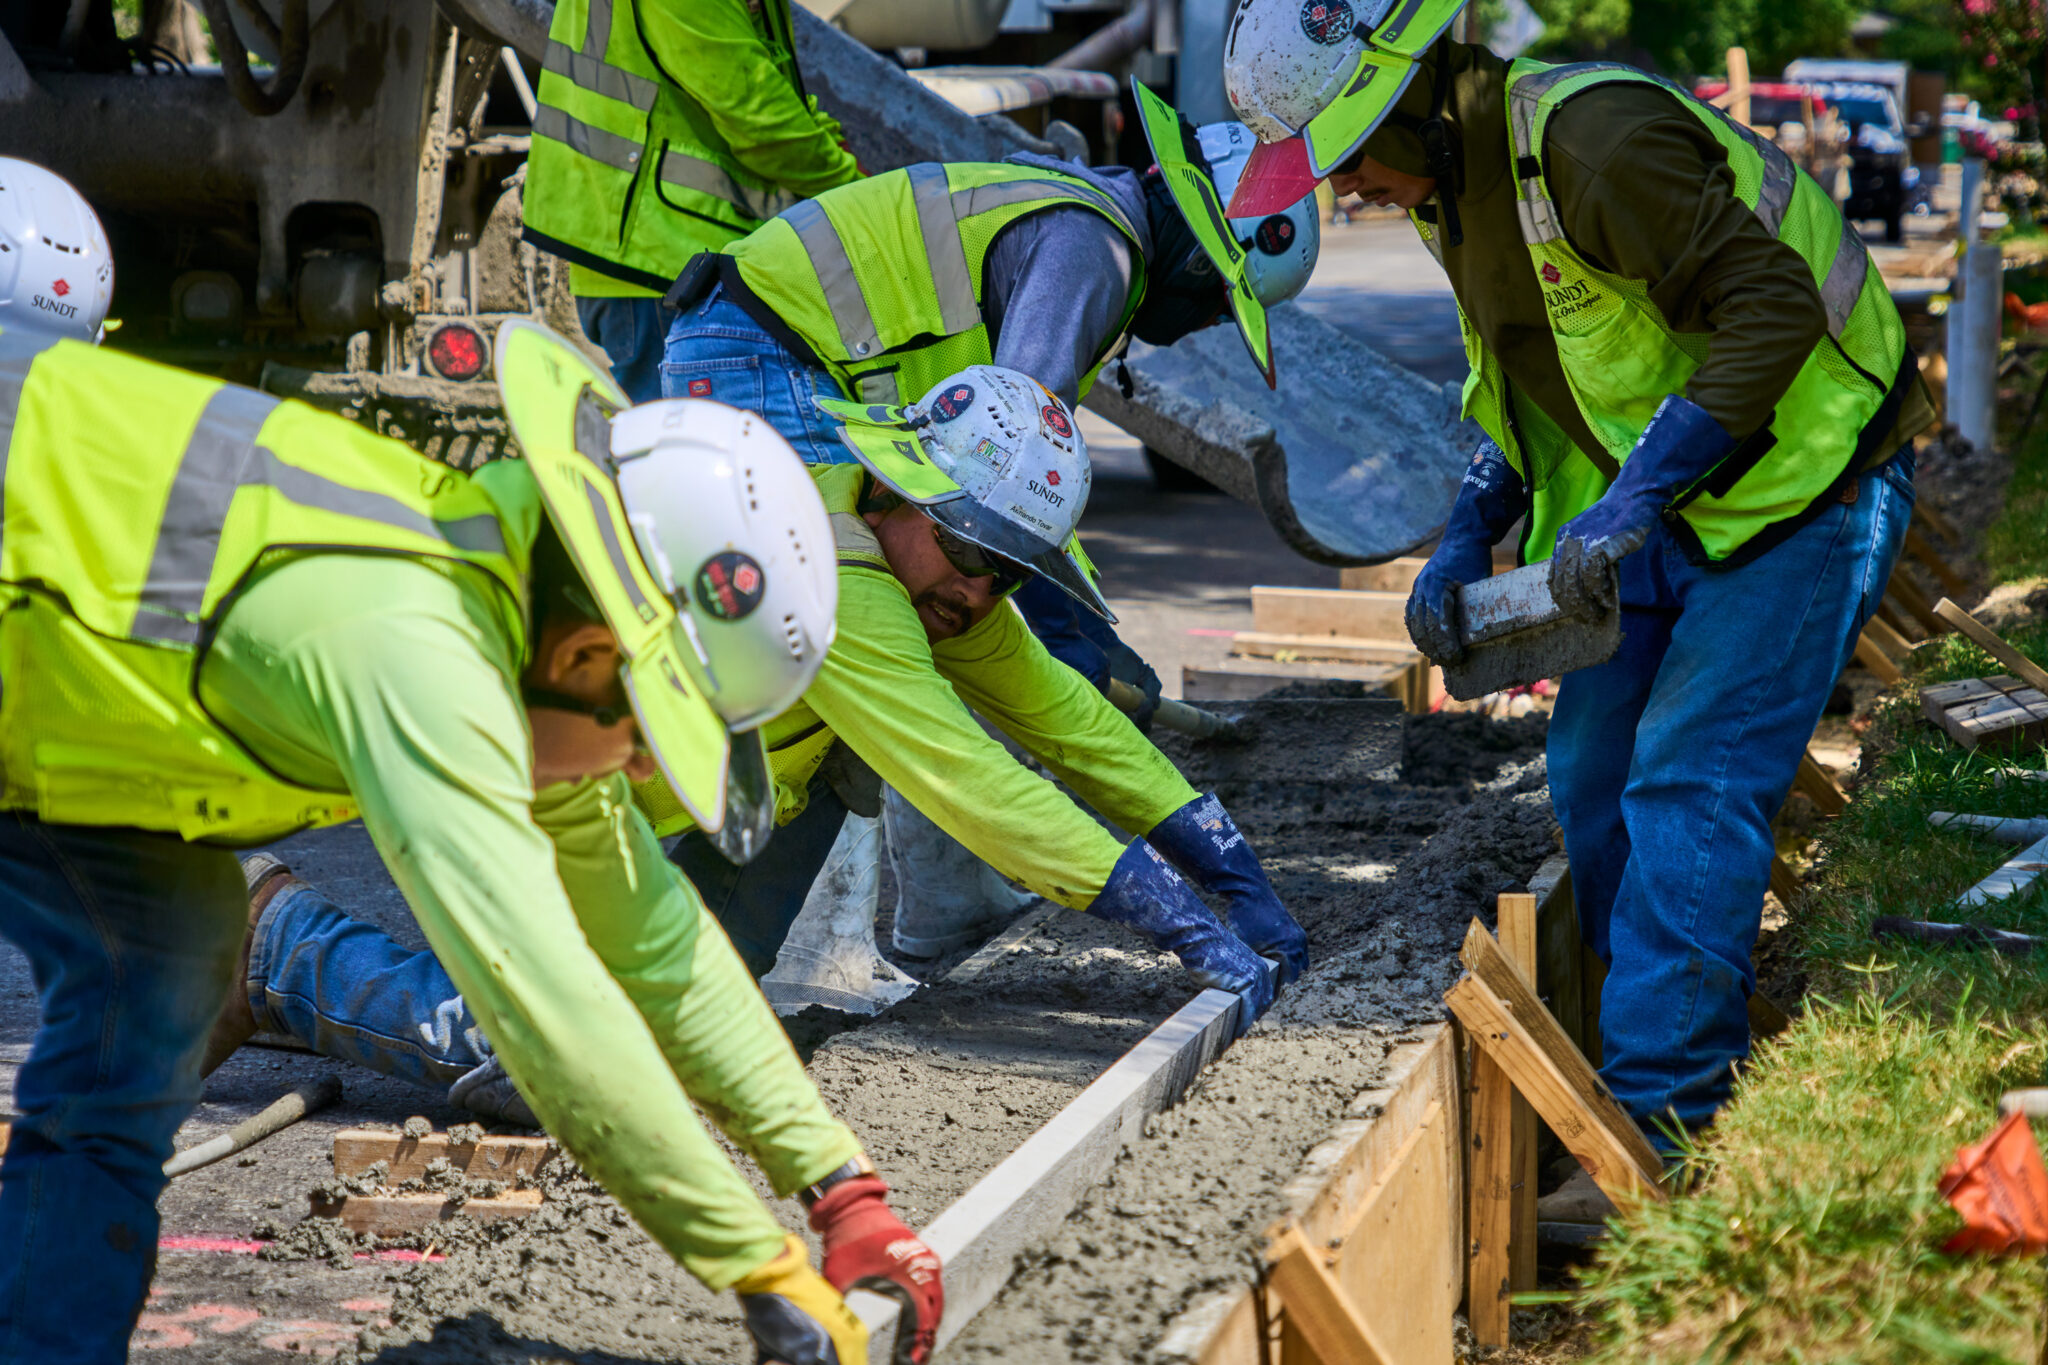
x=1515 y=633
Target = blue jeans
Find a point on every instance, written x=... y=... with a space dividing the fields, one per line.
x=131 y=938
x=629 y=332
x=716 y=350
x=1668 y=762
x=346 y=989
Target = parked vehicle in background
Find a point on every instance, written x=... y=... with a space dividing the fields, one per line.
x=1799 y=121
x=1869 y=95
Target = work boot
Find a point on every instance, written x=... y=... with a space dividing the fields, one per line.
x=236 y=1022
x=946 y=897
x=1579 y=1200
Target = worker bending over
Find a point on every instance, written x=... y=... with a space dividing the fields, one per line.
x=953 y=504
x=665 y=128
x=1688 y=370
x=224 y=618
x=879 y=289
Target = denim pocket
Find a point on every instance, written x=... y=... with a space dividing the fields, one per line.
x=735 y=380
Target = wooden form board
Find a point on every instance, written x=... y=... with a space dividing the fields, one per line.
x=1509 y=1023
x=1396 y=575
x=394 y=1215
x=494 y=1158
x=1818 y=787
x=1988 y=640
x=1379 y=1208
x=1024 y=1200
x=1238 y=680
x=1341 y=649
x=1998 y=713
x=1359 y=615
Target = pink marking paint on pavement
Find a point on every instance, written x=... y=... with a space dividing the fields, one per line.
x=1208 y=630
x=235 y=1246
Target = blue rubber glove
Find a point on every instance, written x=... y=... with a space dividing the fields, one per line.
x=1144 y=892
x=1491 y=496
x=1206 y=845
x=1087 y=644
x=1679 y=447
x=1125 y=665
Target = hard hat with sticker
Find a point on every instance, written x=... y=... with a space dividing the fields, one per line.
x=1003 y=467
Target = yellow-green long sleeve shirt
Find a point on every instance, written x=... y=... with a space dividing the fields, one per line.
x=610 y=993
x=718 y=54
x=902 y=704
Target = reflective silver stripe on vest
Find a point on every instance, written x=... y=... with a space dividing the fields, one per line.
x=959 y=310
x=18 y=351
x=982 y=198
x=879 y=386
x=215 y=463
x=1532 y=201
x=1847 y=274
x=600 y=511
x=695 y=173
x=220 y=459
x=620 y=153
x=835 y=275
x=598 y=76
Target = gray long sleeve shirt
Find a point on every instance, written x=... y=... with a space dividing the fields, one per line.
x=1055 y=283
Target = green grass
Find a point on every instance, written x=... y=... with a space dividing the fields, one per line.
x=1815 y=1233
x=2016 y=545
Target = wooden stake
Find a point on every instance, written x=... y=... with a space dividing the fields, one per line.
x=1917 y=546
x=1516 y=916
x=493 y=1158
x=1317 y=1308
x=1510 y=1025
x=1895 y=645
x=394 y=1215
x=1820 y=789
x=1904 y=591
x=1873 y=657
x=2023 y=668
x=1784 y=883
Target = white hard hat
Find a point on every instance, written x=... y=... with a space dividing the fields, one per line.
x=1279 y=248
x=996 y=459
x=1314 y=78
x=730 y=521
x=56 y=269
x=708 y=552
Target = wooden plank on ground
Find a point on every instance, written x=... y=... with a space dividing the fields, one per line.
x=1918 y=547
x=1820 y=789
x=2015 y=875
x=394 y=1215
x=1996 y=713
x=1784 y=882
x=1510 y=1023
x=1350 y=649
x=1396 y=575
x=1384 y=1192
x=1024 y=1200
x=1895 y=645
x=1904 y=591
x=2021 y=667
x=1330 y=611
x=1873 y=657
x=495 y=1158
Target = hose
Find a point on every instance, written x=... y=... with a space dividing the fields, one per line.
x=307 y=1099
x=1111 y=43
x=289 y=40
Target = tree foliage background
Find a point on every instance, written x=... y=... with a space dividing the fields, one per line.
x=1686 y=38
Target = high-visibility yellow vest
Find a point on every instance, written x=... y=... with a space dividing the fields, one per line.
x=881 y=280
x=129 y=526
x=1621 y=358
x=628 y=175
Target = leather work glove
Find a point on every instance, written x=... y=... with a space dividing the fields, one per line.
x=1145 y=892
x=1126 y=666
x=1205 y=844
x=868 y=1247
x=1490 y=497
x=795 y=1317
x=1679 y=447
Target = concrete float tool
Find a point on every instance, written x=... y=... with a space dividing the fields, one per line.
x=1515 y=633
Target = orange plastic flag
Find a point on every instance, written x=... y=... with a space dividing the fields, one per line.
x=2000 y=1187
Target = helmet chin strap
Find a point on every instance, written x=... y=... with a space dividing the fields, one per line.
x=1440 y=159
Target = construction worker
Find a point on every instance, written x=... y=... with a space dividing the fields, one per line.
x=953 y=503
x=880 y=289
x=224 y=618
x=665 y=129
x=1689 y=373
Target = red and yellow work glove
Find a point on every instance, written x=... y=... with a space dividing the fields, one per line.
x=795 y=1317
x=868 y=1247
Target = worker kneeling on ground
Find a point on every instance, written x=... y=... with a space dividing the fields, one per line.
x=1690 y=371
x=878 y=290
x=954 y=503
x=224 y=618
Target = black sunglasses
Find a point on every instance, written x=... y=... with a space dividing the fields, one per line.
x=971 y=561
